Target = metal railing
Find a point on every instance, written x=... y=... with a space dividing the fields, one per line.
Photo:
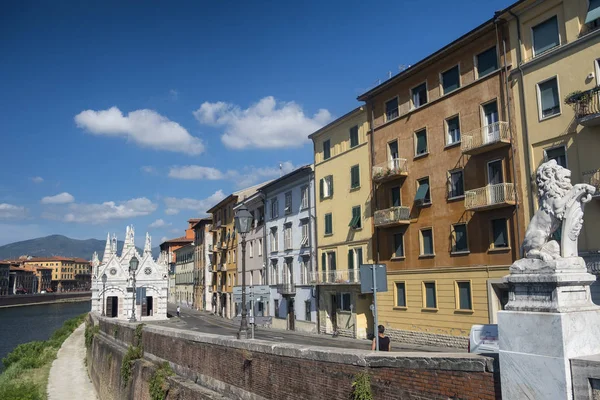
x=585 y=103
x=593 y=178
x=489 y=134
x=490 y=195
x=334 y=277
x=390 y=168
x=286 y=288
x=392 y=215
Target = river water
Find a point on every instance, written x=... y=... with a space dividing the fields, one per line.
x=24 y=324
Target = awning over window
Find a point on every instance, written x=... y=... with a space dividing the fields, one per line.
x=593 y=12
x=422 y=192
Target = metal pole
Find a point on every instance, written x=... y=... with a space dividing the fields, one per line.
x=243 y=333
x=132 y=319
x=375 y=306
x=103 y=302
x=252 y=313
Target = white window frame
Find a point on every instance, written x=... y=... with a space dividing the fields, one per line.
x=251 y=251
x=453 y=238
x=539 y=98
x=394 y=255
x=421 y=244
x=447 y=133
x=304 y=197
x=476 y=63
x=274 y=208
x=452 y=171
x=274 y=240
x=288 y=203
x=533 y=37
x=304 y=226
x=385 y=108
x=415 y=141
x=556 y=147
x=259 y=247
x=410 y=95
x=327 y=186
x=460 y=85
x=287 y=237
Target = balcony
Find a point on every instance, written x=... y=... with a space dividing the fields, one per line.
x=587 y=106
x=348 y=277
x=490 y=197
x=391 y=169
x=593 y=178
x=486 y=138
x=215 y=227
x=393 y=216
x=286 y=289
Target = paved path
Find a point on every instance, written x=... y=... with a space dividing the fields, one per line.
x=68 y=375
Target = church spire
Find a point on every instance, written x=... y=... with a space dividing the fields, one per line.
x=148 y=245
x=107 y=249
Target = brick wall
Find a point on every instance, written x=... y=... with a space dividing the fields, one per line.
x=258 y=369
x=427 y=339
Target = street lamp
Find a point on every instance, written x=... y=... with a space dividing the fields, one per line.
x=243 y=220
x=133 y=264
x=104 y=279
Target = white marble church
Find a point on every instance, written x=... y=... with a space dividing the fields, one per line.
x=151 y=281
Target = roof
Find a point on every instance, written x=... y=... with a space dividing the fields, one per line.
x=304 y=168
x=201 y=221
x=337 y=121
x=181 y=239
x=45 y=259
x=81 y=260
x=19 y=269
x=244 y=193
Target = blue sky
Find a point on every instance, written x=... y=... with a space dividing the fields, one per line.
x=147 y=113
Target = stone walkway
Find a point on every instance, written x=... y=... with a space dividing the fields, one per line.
x=68 y=375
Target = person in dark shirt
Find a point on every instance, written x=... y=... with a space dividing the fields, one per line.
x=384 y=341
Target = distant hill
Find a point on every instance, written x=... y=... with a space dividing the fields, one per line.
x=58 y=245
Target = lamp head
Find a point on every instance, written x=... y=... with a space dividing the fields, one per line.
x=243 y=220
x=133 y=264
x=104 y=278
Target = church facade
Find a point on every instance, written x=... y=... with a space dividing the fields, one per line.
x=115 y=297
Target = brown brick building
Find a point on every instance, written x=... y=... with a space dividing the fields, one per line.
x=444 y=190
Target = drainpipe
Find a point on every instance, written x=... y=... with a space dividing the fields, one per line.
x=510 y=130
x=316 y=247
x=526 y=146
x=373 y=191
x=313 y=257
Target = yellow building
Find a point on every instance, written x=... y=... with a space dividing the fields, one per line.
x=63 y=271
x=556 y=46
x=344 y=230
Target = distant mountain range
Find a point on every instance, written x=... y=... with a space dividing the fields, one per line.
x=58 y=245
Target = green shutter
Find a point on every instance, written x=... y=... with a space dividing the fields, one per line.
x=593 y=12
x=332 y=267
x=421 y=142
x=354 y=177
x=400 y=295
x=464 y=295
x=499 y=228
x=321 y=188
x=323 y=261
x=350 y=259
x=354 y=136
x=422 y=192
x=331 y=186
x=359 y=257
x=451 y=80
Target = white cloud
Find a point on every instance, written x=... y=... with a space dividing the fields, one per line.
x=164 y=239
x=147 y=128
x=98 y=213
x=37 y=179
x=10 y=211
x=148 y=169
x=61 y=198
x=245 y=177
x=199 y=206
x=267 y=124
x=159 y=223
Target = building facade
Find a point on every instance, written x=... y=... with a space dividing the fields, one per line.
x=63 y=271
x=447 y=219
x=202 y=264
x=184 y=276
x=115 y=298
x=343 y=215
x=4 y=278
x=290 y=234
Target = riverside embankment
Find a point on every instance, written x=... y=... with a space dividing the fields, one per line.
x=45 y=298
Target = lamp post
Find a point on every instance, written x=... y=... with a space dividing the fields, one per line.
x=104 y=278
x=243 y=220
x=133 y=264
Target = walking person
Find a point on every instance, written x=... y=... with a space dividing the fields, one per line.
x=384 y=341
x=178 y=310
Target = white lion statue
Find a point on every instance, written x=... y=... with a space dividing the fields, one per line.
x=555 y=194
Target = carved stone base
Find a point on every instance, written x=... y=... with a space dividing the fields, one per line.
x=560 y=285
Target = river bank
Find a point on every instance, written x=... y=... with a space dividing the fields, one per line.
x=21 y=300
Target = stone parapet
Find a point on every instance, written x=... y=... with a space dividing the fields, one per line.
x=427 y=338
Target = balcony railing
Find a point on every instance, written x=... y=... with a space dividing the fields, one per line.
x=490 y=196
x=486 y=138
x=390 y=169
x=587 y=106
x=593 y=178
x=392 y=216
x=286 y=288
x=335 y=277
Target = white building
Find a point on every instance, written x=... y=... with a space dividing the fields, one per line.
x=290 y=235
x=184 y=277
x=151 y=281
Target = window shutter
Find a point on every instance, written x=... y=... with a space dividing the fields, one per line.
x=321 y=188
x=359 y=257
x=333 y=264
x=350 y=259
x=330 y=185
x=323 y=261
x=421 y=142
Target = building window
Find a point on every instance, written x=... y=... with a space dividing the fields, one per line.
x=396 y=198
x=259 y=247
x=356 y=221
x=307 y=306
x=354 y=136
x=459 y=238
x=463 y=290
x=499 y=234
x=452 y=131
x=426 y=239
x=251 y=243
x=288 y=203
x=487 y=62
x=326 y=187
x=557 y=153
x=548 y=98
x=400 y=294
x=354 y=177
x=304 y=242
x=345 y=302
x=327 y=149
x=430 y=295
x=545 y=36
x=450 y=80
x=398 y=245
x=276 y=305
x=304 y=197
x=274 y=208
x=328 y=224
x=423 y=196
x=419 y=95
x=274 y=241
x=421 y=142
x=456 y=186
x=391 y=109
x=593 y=14
x=287 y=237
x=274 y=273
x=355 y=259
x=304 y=271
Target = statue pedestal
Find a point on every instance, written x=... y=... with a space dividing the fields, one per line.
x=549 y=319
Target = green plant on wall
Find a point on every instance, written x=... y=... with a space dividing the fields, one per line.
x=361 y=387
x=115 y=331
x=90 y=332
x=159 y=386
x=138 y=335
x=133 y=353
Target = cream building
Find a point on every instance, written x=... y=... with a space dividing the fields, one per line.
x=184 y=276
x=344 y=231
